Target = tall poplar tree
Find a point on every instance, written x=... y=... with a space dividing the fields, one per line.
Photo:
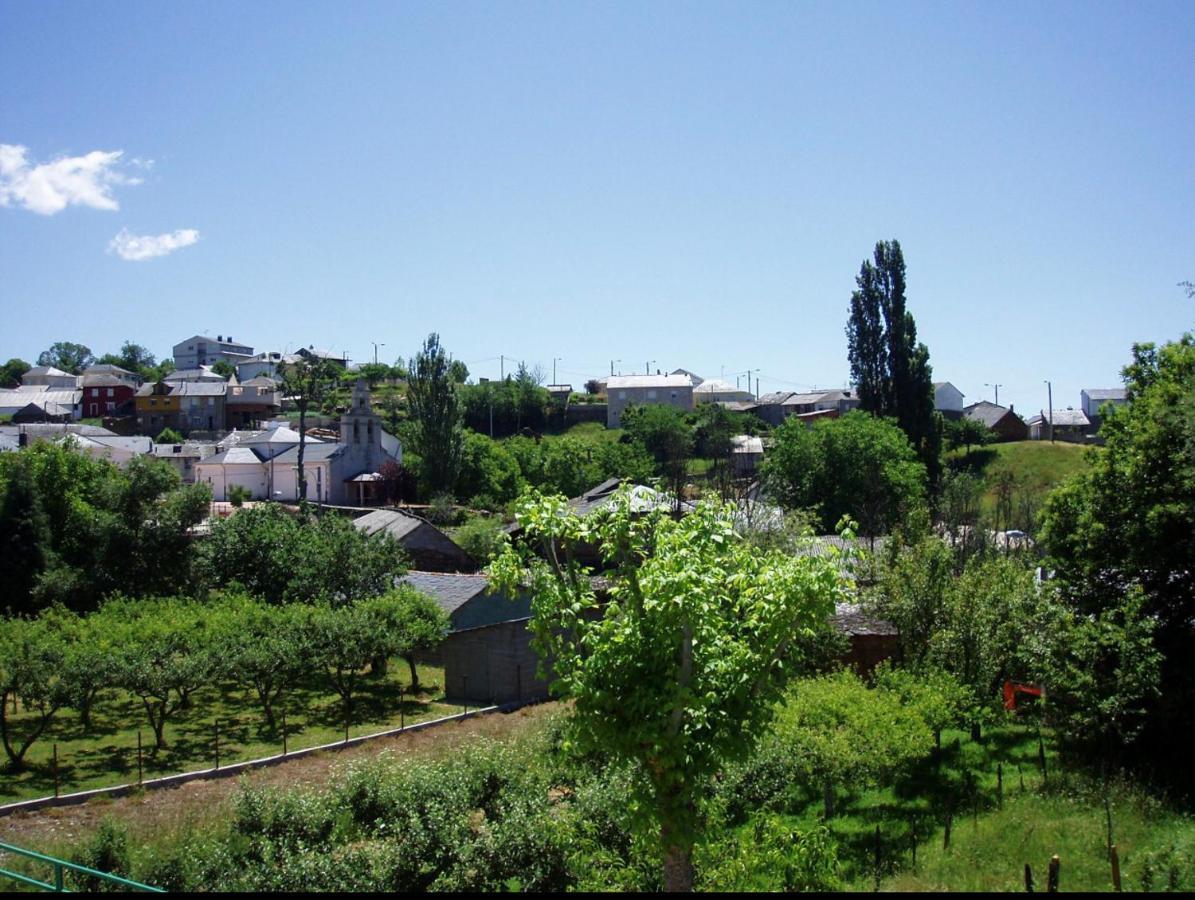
x=436 y=414
x=889 y=367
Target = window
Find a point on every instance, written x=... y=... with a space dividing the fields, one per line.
x=651 y=395
x=111 y=392
x=622 y=395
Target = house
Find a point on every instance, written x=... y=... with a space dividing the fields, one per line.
x=717 y=391
x=813 y=405
x=1003 y=422
x=948 y=400
x=1068 y=424
x=267 y=363
x=115 y=449
x=1094 y=399
x=872 y=640
x=627 y=390
x=693 y=376
x=316 y=354
x=254 y=465
x=770 y=407
x=113 y=371
x=42 y=403
x=183 y=457
x=560 y=393
x=430 y=549
x=251 y=402
x=487 y=654
x=746 y=453
x=48 y=376
x=157 y=407
x=107 y=395
x=201 y=405
x=200 y=350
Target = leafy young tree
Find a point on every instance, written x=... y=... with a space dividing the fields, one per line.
x=87 y=658
x=858 y=465
x=889 y=366
x=30 y=668
x=489 y=475
x=165 y=650
x=435 y=415
x=406 y=623
x=934 y=694
x=681 y=668
x=836 y=730
x=133 y=358
x=168 y=436
x=67 y=356
x=224 y=368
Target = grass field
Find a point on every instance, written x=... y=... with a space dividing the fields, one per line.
x=995 y=833
x=107 y=754
x=1037 y=466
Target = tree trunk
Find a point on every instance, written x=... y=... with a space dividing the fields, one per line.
x=678 y=860
x=379 y=665
x=976 y=733
x=414 y=673
x=828 y=798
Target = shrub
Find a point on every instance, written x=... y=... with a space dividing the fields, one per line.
x=238 y=494
x=107 y=850
x=481 y=537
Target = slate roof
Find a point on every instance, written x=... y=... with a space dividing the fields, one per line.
x=718 y=386
x=200 y=389
x=619 y=382
x=987 y=413
x=643 y=498
x=1105 y=393
x=236 y=456
x=101 y=379
x=450 y=591
x=1067 y=418
x=312 y=452
x=775 y=397
x=52 y=429
x=136 y=444
x=804 y=399
x=395 y=523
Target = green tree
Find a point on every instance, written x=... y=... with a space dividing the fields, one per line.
x=966 y=433
x=67 y=356
x=681 y=668
x=1128 y=521
x=306 y=382
x=667 y=436
x=406 y=623
x=837 y=730
x=435 y=415
x=30 y=668
x=24 y=537
x=132 y=358
x=858 y=465
x=168 y=436
x=889 y=366
x=166 y=649
x=224 y=369
x=488 y=475
x=11 y=372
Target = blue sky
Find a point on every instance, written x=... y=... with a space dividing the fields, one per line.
x=690 y=184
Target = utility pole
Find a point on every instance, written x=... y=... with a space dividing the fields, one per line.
x=501 y=367
x=997 y=387
x=555 y=359
x=1050 y=395
x=375 y=351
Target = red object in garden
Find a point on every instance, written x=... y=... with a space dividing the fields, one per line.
x=1013 y=688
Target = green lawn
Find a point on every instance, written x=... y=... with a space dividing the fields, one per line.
x=107 y=754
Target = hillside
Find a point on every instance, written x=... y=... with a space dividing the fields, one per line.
x=1036 y=466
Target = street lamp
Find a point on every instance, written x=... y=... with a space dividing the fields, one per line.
x=375 y=351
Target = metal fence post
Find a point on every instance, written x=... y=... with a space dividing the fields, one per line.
x=55 y=770
x=217 y=723
x=402 y=722
x=138 y=755
x=284 y=731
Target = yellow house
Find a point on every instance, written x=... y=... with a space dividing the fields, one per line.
x=157 y=407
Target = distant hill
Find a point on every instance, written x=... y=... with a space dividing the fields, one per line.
x=1037 y=466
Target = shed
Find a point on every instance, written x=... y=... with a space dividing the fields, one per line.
x=430 y=549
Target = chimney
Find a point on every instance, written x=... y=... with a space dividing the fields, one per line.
x=219 y=337
x=1012 y=407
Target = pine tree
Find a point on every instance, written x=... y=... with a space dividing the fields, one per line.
x=890 y=369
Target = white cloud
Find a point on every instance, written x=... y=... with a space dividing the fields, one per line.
x=49 y=188
x=138 y=247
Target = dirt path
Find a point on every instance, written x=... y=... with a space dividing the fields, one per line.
x=173 y=809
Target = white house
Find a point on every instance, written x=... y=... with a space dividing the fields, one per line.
x=948 y=398
x=717 y=391
x=625 y=390
x=1093 y=398
x=201 y=350
x=48 y=376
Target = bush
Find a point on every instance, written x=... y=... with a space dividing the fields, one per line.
x=773 y=856
x=107 y=850
x=238 y=494
x=481 y=537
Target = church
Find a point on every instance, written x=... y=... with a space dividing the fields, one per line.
x=344 y=473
